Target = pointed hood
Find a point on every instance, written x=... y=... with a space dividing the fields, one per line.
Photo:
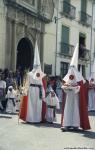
x=73 y=69
x=36 y=64
x=36 y=72
x=74 y=60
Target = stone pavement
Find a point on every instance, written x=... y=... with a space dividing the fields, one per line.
x=22 y=136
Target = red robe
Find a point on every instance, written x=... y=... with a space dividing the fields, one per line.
x=84 y=120
x=23 y=108
x=43 y=102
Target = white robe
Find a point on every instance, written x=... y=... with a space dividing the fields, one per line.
x=18 y=98
x=10 y=108
x=2 y=86
x=34 y=107
x=71 y=110
x=59 y=90
x=51 y=101
x=91 y=99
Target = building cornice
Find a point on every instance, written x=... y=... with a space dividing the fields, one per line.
x=35 y=14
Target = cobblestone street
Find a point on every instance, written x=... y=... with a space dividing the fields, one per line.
x=22 y=136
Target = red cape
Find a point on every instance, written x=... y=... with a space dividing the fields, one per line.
x=84 y=120
x=44 y=103
x=23 y=108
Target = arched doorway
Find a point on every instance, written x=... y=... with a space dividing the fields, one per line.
x=25 y=54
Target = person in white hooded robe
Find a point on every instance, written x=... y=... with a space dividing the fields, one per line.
x=91 y=95
x=35 y=93
x=52 y=103
x=11 y=100
x=71 y=110
x=74 y=114
x=91 y=91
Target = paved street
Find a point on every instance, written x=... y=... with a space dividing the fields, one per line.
x=14 y=136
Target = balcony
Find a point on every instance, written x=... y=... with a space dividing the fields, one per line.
x=85 y=19
x=68 y=10
x=66 y=50
x=84 y=54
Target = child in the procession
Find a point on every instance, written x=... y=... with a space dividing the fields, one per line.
x=11 y=100
x=52 y=103
x=18 y=97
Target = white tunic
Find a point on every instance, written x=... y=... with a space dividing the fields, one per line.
x=91 y=99
x=59 y=90
x=2 y=86
x=34 y=108
x=54 y=103
x=71 y=110
x=10 y=108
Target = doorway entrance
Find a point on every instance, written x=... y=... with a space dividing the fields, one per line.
x=25 y=54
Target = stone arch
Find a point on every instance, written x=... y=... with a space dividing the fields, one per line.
x=25 y=54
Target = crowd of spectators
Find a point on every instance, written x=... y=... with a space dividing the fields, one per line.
x=9 y=78
x=16 y=79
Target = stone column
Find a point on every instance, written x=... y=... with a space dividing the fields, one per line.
x=13 y=47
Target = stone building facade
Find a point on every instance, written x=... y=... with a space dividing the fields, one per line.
x=73 y=22
x=21 y=23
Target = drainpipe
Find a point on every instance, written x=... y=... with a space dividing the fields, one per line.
x=56 y=21
x=91 y=35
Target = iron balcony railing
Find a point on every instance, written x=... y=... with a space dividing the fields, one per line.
x=66 y=49
x=84 y=54
x=68 y=10
x=85 y=19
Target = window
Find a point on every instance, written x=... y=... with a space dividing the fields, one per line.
x=48 y=69
x=64 y=68
x=83 y=10
x=66 y=6
x=81 y=68
x=82 y=46
x=65 y=40
x=83 y=5
x=31 y=2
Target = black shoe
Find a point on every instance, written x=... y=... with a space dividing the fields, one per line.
x=64 y=129
x=75 y=128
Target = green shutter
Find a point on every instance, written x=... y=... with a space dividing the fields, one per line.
x=68 y=1
x=83 y=5
x=65 y=39
x=65 y=34
x=66 y=6
x=83 y=70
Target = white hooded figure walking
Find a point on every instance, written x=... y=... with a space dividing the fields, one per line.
x=91 y=92
x=74 y=113
x=52 y=103
x=11 y=100
x=91 y=95
x=35 y=92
